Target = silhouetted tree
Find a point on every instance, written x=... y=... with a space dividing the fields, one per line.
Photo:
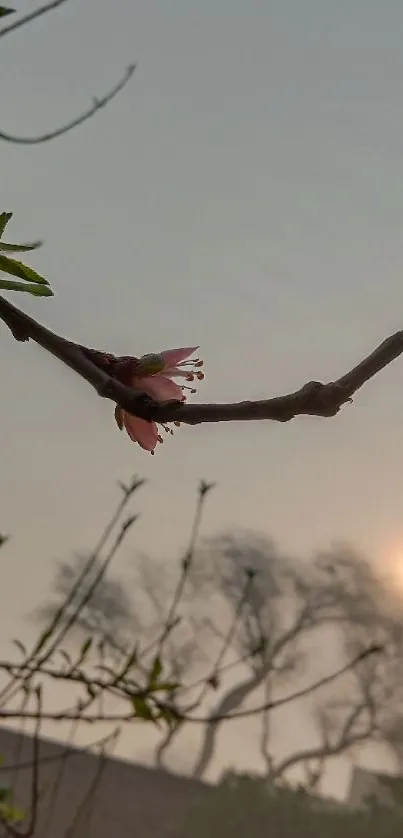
x=254 y=623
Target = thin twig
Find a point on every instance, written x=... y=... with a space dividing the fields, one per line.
x=57 y=785
x=74 y=123
x=34 y=763
x=346 y=739
x=314 y=398
x=216 y=671
x=287 y=699
x=90 y=564
x=180 y=715
x=74 y=616
x=89 y=793
x=19 y=744
x=170 y=621
x=22 y=21
x=265 y=731
x=213 y=678
x=67 y=751
x=31 y=664
x=35 y=769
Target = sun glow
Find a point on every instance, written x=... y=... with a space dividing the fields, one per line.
x=393 y=570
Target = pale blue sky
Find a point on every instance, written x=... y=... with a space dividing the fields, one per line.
x=244 y=192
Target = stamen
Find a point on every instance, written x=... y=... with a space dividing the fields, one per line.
x=200 y=376
x=194 y=362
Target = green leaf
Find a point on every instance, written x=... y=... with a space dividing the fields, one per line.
x=4 y=11
x=155 y=672
x=18 y=248
x=11 y=814
x=142 y=709
x=4 y=219
x=11 y=266
x=36 y=290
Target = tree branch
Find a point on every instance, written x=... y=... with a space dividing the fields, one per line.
x=35 y=770
x=347 y=738
x=265 y=731
x=74 y=123
x=287 y=699
x=22 y=21
x=236 y=695
x=313 y=399
x=177 y=715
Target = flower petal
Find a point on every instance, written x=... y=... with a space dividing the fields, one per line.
x=159 y=387
x=141 y=431
x=119 y=417
x=175 y=356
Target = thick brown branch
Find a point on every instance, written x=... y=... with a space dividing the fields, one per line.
x=74 y=123
x=74 y=356
x=314 y=398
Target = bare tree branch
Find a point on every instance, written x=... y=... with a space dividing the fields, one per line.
x=8 y=825
x=22 y=21
x=236 y=695
x=348 y=736
x=88 y=794
x=313 y=398
x=129 y=693
x=172 y=616
x=164 y=744
x=58 y=781
x=290 y=697
x=65 y=753
x=74 y=123
x=35 y=769
x=265 y=731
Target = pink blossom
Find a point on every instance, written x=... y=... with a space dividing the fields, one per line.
x=154 y=374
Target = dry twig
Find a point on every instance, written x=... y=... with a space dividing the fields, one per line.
x=97 y=104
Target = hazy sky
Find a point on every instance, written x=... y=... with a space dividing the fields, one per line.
x=244 y=192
